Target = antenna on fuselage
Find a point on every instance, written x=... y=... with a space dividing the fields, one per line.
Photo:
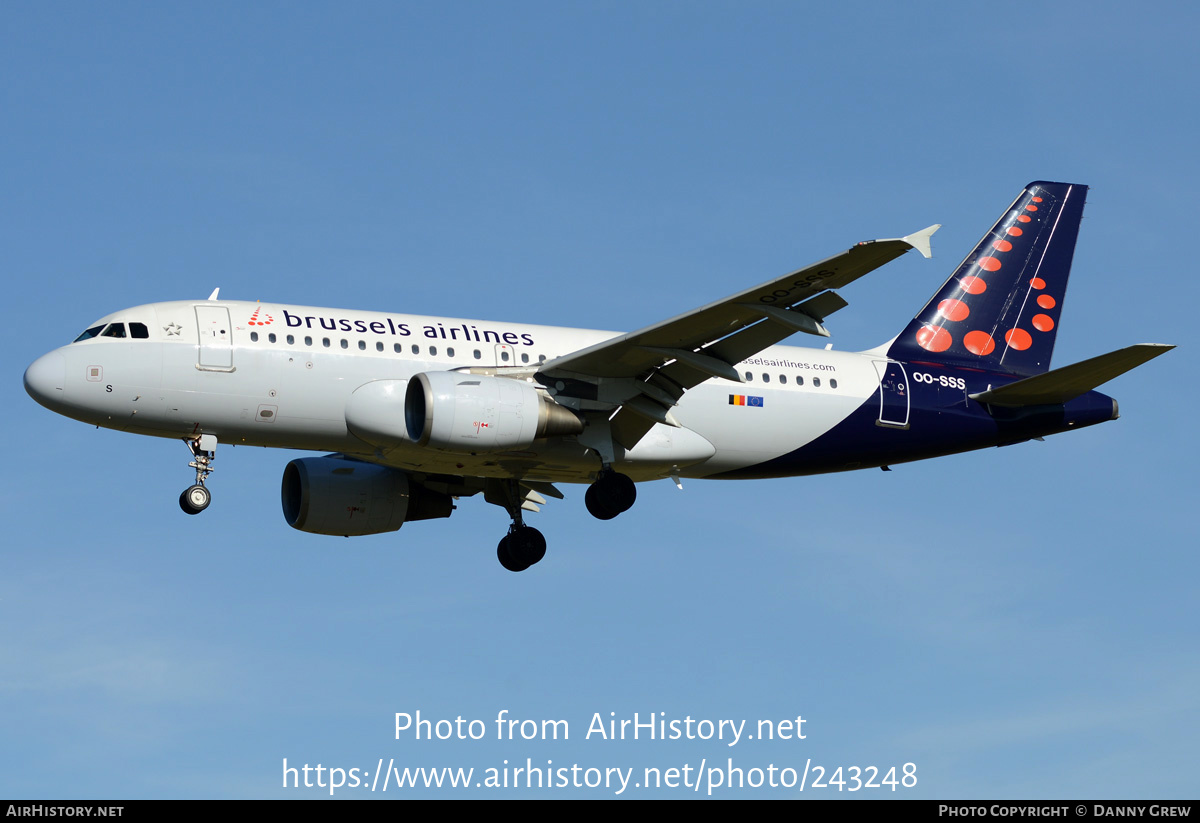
x=213 y=296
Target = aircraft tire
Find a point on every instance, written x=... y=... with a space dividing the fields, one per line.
x=194 y=499
x=527 y=545
x=521 y=548
x=504 y=555
x=596 y=504
x=611 y=494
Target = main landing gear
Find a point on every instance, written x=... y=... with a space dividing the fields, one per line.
x=611 y=494
x=523 y=546
x=195 y=498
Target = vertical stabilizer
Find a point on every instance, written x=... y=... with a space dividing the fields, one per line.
x=1001 y=307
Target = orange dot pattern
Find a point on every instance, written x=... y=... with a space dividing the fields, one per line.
x=979 y=342
x=935 y=337
x=972 y=284
x=256 y=321
x=1019 y=339
x=953 y=310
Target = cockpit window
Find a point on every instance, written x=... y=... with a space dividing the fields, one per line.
x=117 y=331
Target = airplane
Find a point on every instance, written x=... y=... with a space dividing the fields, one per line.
x=416 y=412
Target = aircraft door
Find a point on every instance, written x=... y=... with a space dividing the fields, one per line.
x=216 y=333
x=506 y=355
x=893 y=394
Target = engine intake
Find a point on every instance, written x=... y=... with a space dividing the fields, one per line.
x=475 y=413
x=339 y=496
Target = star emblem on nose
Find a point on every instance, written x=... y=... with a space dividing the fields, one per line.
x=172 y=329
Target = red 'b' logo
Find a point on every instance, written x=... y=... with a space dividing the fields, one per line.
x=255 y=321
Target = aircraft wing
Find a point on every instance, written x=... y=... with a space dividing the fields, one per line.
x=646 y=372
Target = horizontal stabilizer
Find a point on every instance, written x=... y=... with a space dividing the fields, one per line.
x=1067 y=383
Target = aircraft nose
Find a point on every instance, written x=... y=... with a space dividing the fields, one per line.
x=45 y=378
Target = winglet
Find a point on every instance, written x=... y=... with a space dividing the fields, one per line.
x=213 y=296
x=920 y=240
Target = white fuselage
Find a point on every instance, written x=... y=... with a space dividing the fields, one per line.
x=282 y=376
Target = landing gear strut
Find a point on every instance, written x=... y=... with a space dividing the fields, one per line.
x=195 y=498
x=524 y=545
x=611 y=494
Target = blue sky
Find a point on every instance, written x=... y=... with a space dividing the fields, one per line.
x=1018 y=622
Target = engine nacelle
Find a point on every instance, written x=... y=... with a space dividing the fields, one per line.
x=333 y=495
x=475 y=413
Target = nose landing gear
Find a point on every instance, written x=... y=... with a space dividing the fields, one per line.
x=195 y=498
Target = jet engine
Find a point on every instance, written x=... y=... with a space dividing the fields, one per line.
x=475 y=413
x=338 y=496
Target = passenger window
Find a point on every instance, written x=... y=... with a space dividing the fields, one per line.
x=114 y=330
x=416 y=349
x=433 y=351
x=749 y=377
x=291 y=340
x=799 y=380
x=766 y=377
x=477 y=354
x=832 y=383
x=325 y=342
x=541 y=358
x=449 y=352
x=138 y=331
x=271 y=337
x=504 y=356
x=379 y=347
x=524 y=357
x=253 y=337
x=345 y=343
x=783 y=378
x=817 y=382
x=307 y=340
x=396 y=348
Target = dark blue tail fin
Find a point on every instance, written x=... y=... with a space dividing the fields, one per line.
x=1000 y=308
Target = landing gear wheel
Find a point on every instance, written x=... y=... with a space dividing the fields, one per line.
x=611 y=494
x=521 y=548
x=194 y=499
x=596 y=506
x=505 y=557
